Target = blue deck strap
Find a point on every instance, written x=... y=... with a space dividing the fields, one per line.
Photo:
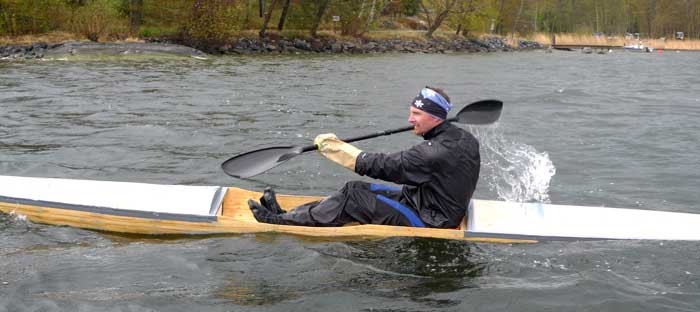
x=381 y=187
x=405 y=211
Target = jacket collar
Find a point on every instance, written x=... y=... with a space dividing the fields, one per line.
x=436 y=130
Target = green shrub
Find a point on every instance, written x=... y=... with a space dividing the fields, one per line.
x=214 y=21
x=165 y=18
x=301 y=15
x=352 y=14
x=411 y=7
x=8 y=23
x=21 y=17
x=98 y=19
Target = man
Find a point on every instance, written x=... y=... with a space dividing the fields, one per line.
x=438 y=177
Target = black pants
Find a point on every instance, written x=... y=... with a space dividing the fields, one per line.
x=357 y=201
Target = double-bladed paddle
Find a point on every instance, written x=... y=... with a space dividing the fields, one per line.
x=258 y=161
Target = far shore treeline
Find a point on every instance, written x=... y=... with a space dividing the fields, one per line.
x=221 y=21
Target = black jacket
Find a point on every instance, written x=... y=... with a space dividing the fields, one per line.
x=439 y=175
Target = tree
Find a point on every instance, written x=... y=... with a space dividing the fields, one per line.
x=517 y=17
x=322 y=6
x=268 y=15
x=135 y=16
x=440 y=9
x=370 y=18
x=283 y=17
x=471 y=14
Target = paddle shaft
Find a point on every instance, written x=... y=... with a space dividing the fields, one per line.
x=309 y=148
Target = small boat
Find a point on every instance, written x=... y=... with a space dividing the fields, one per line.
x=155 y=209
x=638 y=47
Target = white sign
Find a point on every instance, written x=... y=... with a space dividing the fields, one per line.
x=336 y=18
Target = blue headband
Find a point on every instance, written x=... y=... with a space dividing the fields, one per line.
x=432 y=103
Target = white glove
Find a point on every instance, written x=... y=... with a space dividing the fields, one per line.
x=336 y=150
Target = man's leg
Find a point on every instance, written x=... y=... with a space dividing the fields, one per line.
x=326 y=212
x=384 y=207
x=357 y=201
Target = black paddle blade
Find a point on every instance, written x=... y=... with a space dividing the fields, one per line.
x=256 y=162
x=481 y=113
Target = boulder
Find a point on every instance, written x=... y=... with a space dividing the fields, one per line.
x=317 y=45
x=302 y=45
x=336 y=47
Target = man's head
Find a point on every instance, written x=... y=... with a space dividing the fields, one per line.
x=428 y=110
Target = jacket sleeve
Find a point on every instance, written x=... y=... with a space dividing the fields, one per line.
x=412 y=167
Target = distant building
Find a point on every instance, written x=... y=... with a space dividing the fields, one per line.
x=680 y=35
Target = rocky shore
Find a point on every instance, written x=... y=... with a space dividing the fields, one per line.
x=258 y=46
x=72 y=48
x=33 y=51
x=249 y=46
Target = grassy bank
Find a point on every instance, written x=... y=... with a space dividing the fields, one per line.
x=54 y=37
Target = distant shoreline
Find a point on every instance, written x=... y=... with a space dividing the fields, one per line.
x=260 y=46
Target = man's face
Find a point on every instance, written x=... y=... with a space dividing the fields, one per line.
x=422 y=122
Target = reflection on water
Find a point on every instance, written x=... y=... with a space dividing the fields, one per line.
x=413 y=269
x=421 y=257
x=247 y=293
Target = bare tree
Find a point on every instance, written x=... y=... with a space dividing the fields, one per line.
x=517 y=17
x=370 y=18
x=440 y=10
x=516 y=21
x=463 y=12
x=135 y=16
x=535 y=16
x=379 y=8
x=283 y=17
x=499 y=22
x=322 y=6
x=268 y=14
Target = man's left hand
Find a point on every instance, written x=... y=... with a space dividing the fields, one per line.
x=336 y=150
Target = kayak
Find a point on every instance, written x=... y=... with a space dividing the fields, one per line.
x=156 y=209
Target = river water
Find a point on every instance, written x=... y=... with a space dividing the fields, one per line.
x=617 y=130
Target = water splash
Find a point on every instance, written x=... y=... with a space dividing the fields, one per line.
x=515 y=171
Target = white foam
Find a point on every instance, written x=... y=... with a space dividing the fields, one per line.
x=515 y=171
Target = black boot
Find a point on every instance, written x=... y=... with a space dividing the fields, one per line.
x=262 y=214
x=269 y=200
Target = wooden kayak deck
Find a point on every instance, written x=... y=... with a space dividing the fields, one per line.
x=235 y=206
